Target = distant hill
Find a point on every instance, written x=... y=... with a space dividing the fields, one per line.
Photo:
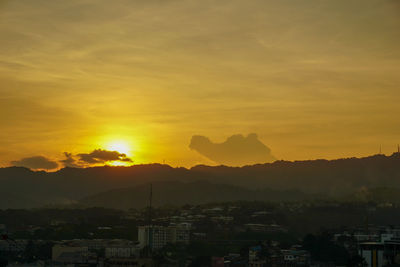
x=332 y=177
x=181 y=193
x=23 y=188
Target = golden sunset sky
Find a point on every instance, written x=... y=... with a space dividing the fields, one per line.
x=313 y=78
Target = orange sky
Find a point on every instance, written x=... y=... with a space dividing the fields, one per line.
x=313 y=78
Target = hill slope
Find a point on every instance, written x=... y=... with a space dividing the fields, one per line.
x=23 y=188
x=181 y=193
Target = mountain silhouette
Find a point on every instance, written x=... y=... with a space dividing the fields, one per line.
x=23 y=188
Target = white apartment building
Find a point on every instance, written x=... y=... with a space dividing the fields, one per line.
x=157 y=237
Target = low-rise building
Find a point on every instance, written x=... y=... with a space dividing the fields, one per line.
x=12 y=246
x=70 y=255
x=123 y=262
x=384 y=251
x=256 y=227
x=121 y=252
x=296 y=257
x=372 y=253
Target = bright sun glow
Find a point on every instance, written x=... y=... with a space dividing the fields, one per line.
x=119 y=163
x=120 y=146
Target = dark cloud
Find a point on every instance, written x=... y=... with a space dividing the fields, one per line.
x=69 y=161
x=237 y=150
x=36 y=162
x=97 y=156
x=102 y=156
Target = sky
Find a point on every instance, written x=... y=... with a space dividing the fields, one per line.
x=312 y=78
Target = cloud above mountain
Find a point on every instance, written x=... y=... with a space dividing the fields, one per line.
x=237 y=150
x=70 y=161
x=102 y=156
x=36 y=162
x=96 y=157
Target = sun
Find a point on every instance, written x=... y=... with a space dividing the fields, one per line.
x=119 y=146
x=123 y=144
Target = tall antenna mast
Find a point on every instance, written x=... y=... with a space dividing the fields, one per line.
x=398 y=149
x=150 y=204
x=150 y=227
x=380 y=149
